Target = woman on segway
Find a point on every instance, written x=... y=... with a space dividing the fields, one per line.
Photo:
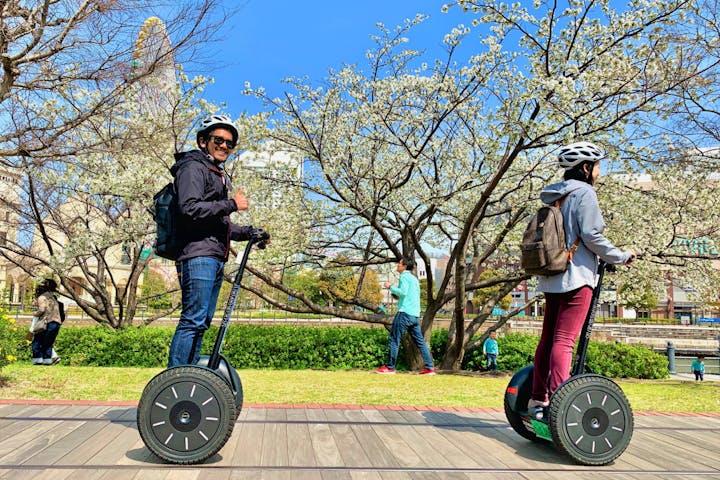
x=568 y=294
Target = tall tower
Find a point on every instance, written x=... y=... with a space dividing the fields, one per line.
x=10 y=288
x=153 y=58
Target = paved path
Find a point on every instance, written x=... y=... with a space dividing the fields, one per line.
x=708 y=377
x=92 y=441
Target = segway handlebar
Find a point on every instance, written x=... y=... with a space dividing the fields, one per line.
x=579 y=366
x=260 y=238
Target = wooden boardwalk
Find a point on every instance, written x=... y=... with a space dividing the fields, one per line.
x=57 y=442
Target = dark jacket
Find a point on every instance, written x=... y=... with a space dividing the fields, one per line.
x=205 y=228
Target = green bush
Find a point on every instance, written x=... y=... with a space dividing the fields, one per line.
x=298 y=347
x=11 y=339
x=290 y=347
x=625 y=361
x=518 y=350
x=639 y=321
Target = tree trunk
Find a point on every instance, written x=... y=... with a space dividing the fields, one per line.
x=455 y=347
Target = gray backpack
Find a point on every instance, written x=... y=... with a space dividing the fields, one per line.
x=543 y=250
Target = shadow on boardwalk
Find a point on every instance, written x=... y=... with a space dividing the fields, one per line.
x=101 y=441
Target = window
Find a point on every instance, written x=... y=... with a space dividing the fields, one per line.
x=125 y=255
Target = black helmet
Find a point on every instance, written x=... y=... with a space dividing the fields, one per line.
x=217 y=121
x=47 y=285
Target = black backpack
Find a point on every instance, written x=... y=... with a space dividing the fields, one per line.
x=543 y=249
x=166 y=216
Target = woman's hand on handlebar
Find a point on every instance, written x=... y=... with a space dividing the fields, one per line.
x=633 y=257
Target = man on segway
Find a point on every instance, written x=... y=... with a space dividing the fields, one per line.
x=205 y=230
x=187 y=413
x=568 y=294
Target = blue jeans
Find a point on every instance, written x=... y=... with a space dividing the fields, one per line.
x=200 y=280
x=401 y=323
x=43 y=342
x=492 y=361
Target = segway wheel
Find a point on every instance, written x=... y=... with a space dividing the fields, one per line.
x=186 y=414
x=516 y=399
x=590 y=419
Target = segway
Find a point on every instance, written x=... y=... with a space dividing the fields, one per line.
x=589 y=418
x=187 y=413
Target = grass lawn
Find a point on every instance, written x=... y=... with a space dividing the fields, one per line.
x=25 y=381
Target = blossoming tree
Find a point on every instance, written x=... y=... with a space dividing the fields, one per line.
x=75 y=127
x=413 y=156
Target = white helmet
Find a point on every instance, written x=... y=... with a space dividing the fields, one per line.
x=217 y=121
x=578 y=152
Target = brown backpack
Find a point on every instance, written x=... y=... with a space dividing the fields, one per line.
x=543 y=250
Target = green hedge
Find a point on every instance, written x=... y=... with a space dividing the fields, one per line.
x=326 y=348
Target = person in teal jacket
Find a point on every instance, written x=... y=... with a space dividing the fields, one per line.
x=698 y=367
x=407 y=318
x=490 y=350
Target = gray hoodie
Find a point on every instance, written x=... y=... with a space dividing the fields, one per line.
x=582 y=218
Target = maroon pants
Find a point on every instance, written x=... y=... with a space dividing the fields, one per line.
x=564 y=316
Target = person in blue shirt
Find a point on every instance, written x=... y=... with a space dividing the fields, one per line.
x=698 y=367
x=407 y=318
x=490 y=350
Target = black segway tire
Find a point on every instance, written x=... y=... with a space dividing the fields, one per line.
x=186 y=414
x=590 y=419
x=516 y=398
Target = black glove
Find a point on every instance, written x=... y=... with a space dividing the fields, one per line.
x=260 y=236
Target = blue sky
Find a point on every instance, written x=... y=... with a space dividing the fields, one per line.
x=268 y=40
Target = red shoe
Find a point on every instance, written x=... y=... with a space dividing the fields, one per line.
x=427 y=371
x=384 y=370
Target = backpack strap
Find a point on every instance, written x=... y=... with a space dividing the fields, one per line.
x=559 y=203
x=570 y=253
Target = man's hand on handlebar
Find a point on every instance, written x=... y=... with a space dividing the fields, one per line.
x=260 y=236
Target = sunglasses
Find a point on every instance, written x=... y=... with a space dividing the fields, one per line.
x=218 y=141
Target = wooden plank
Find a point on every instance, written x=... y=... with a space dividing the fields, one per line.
x=92 y=445
x=390 y=439
x=346 y=444
x=677 y=454
x=437 y=437
x=483 y=449
x=31 y=437
x=349 y=445
x=518 y=452
x=384 y=445
x=300 y=448
x=248 y=449
x=115 y=453
x=322 y=440
x=275 y=439
x=21 y=418
x=153 y=474
x=60 y=441
x=418 y=442
x=174 y=474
